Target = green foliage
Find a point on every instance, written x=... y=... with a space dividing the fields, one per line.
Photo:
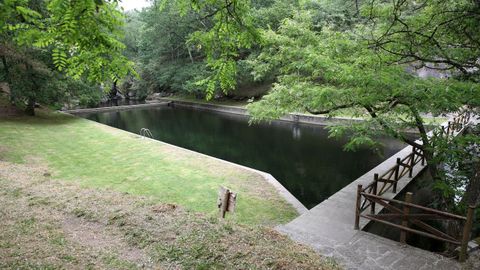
x=166 y=62
x=88 y=94
x=327 y=71
x=232 y=30
x=190 y=58
x=439 y=34
x=323 y=68
x=84 y=35
x=80 y=39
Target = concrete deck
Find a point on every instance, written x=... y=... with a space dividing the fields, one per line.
x=329 y=228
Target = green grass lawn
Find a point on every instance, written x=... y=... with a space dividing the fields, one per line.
x=96 y=155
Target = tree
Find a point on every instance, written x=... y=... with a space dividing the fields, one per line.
x=170 y=59
x=232 y=29
x=442 y=35
x=324 y=71
x=82 y=38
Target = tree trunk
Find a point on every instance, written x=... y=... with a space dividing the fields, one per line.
x=472 y=191
x=30 y=110
x=5 y=67
x=114 y=91
x=7 y=76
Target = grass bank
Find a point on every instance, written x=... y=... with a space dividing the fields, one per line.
x=51 y=224
x=98 y=156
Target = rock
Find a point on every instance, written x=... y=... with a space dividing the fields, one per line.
x=4 y=87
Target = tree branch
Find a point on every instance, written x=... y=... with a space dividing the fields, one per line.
x=390 y=130
x=335 y=108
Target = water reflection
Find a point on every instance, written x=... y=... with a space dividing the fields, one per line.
x=297 y=132
x=302 y=157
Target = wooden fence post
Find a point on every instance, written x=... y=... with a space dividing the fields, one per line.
x=448 y=128
x=412 y=162
x=397 y=171
x=406 y=211
x=357 y=207
x=467 y=229
x=374 y=191
x=225 y=195
x=423 y=158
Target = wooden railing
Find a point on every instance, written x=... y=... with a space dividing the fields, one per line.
x=404 y=216
x=371 y=195
x=456 y=125
x=388 y=180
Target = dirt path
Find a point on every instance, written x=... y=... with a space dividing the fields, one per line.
x=51 y=224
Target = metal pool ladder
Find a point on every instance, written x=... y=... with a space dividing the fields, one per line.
x=145 y=132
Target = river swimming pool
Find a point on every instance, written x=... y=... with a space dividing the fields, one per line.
x=301 y=157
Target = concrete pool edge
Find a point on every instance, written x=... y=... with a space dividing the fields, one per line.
x=115 y=108
x=291 y=117
x=281 y=190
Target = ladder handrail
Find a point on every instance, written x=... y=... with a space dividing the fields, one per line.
x=145 y=132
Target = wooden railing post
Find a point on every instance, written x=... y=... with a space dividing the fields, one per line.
x=467 y=229
x=397 y=171
x=374 y=191
x=423 y=158
x=412 y=162
x=357 y=207
x=406 y=211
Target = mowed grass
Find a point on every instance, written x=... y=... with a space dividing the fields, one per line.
x=96 y=155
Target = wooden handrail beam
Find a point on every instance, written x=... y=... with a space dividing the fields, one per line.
x=417 y=222
x=410 y=229
x=413 y=216
x=431 y=210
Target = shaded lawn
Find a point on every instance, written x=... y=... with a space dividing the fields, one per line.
x=95 y=155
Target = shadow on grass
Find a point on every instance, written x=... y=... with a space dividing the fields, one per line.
x=42 y=117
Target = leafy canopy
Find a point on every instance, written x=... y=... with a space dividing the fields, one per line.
x=84 y=35
x=232 y=29
x=329 y=71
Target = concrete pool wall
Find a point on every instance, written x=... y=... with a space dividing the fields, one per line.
x=291 y=117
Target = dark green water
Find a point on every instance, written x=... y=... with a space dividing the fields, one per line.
x=302 y=157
